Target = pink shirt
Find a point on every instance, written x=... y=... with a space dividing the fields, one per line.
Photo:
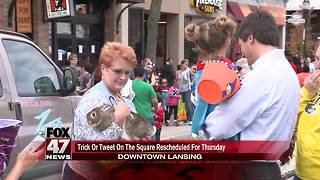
x=173 y=98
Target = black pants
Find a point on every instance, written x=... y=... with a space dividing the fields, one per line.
x=171 y=109
x=158 y=133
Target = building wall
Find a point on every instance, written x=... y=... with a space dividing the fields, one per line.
x=167 y=6
x=110 y=16
x=41 y=34
x=294 y=34
x=176 y=10
x=41 y=30
x=4 y=7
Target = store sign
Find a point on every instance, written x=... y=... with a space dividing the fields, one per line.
x=296 y=19
x=207 y=6
x=23 y=16
x=57 y=8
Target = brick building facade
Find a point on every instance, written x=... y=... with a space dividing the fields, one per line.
x=60 y=37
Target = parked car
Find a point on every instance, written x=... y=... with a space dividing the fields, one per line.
x=34 y=90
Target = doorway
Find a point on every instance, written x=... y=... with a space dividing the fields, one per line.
x=81 y=34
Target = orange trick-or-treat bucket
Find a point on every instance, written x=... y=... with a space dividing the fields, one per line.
x=218 y=82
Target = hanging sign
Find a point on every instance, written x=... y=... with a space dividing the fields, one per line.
x=207 y=6
x=23 y=16
x=57 y=8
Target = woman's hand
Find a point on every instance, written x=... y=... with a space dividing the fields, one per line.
x=121 y=112
x=312 y=82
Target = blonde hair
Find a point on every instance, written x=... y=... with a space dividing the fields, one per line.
x=114 y=50
x=211 y=36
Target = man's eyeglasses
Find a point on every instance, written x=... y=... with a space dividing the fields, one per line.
x=119 y=72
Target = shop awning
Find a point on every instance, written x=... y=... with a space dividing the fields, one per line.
x=240 y=11
x=235 y=10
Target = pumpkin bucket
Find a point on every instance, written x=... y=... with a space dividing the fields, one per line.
x=218 y=82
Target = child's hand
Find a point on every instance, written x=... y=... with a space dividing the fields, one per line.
x=28 y=158
x=312 y=82
x=121 y=112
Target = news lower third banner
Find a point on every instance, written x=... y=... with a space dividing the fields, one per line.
x=59 y=146
x=177 y=150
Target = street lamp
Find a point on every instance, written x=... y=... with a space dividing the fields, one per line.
x=306 y=8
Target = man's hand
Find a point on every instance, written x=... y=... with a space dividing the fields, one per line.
x=312 y=82
x=121 y=112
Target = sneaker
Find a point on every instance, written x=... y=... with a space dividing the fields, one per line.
x=176 y=123
x=194 y=136
x=167 y=123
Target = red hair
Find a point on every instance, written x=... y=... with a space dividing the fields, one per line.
x=115 y=50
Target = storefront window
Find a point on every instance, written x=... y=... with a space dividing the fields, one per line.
x=161 y=44
x=82 y=34
x=82 y=30
x=63 y=28
x=136 y=32
x=87 y=8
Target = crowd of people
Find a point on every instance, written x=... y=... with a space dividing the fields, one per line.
x=269 y=106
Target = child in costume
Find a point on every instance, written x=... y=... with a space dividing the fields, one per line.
x=213 y=39
x=172 y=104
x=159 y=117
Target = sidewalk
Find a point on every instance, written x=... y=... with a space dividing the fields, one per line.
x=175 y=132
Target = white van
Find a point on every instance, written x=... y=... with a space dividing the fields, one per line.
x=33 y=89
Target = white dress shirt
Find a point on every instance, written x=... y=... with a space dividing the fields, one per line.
x=265 y=107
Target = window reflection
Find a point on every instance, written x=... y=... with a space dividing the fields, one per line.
x=63 y=28
x=88 y=9
x=31 y=68
x=81 y=9
x=82 y=30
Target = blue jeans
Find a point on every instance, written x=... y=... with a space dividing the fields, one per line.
x=151 y=120
x=199 y=116
x=186 y=98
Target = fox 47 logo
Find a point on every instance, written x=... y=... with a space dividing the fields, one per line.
x=58 y=143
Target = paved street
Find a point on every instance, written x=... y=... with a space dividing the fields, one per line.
x=175 y=132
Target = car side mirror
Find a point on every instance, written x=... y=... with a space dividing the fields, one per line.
x=44 y=85
x=69 y=81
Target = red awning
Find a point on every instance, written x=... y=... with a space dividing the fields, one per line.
x=240 y=11
x=235 y=10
